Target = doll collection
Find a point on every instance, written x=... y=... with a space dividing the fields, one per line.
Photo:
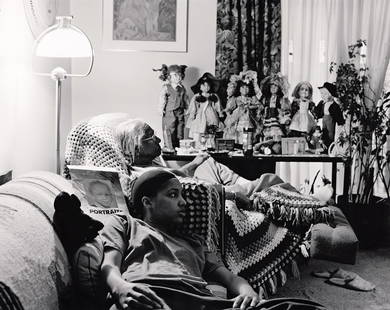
x=262 y=109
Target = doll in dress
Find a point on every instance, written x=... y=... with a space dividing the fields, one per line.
x=330 y=112
x=205 y=108
x=243 y=108
x=303 y=121
x=277 y=110
x=173 y=105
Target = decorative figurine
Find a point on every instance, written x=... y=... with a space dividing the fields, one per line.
x=330 y=112
x=303 y=120
x=173 y=105
x=277 y=110
x=243 y=107
x=204 y=113
x=315 y=141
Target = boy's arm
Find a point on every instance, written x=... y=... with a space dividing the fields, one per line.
x=245 y=295
x=127 y=294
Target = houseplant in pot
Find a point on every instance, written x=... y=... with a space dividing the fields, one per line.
x=365 y=133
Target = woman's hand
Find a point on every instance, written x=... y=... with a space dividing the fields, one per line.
x=200 y=159
x=137 y=296
x=241 y=200
x=248 y=298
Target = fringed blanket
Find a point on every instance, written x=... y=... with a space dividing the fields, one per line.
x=286 y=206
x=258 y=250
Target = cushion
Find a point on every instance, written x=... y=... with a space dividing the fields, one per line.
x=337 y=243
x=86 y=269
x=286 y=206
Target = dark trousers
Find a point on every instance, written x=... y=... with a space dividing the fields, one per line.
x=173 y=128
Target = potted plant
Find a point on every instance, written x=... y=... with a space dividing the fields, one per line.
x=366 y=133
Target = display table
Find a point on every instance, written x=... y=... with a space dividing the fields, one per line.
x=253 y=167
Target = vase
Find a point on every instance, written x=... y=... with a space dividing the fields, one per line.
x=370 y=222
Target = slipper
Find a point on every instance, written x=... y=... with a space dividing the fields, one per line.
x=343 y=278
x=326 y=274
x=357 y=283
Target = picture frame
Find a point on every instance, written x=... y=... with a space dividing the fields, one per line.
x=139 y=25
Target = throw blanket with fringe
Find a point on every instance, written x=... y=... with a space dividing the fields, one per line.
x=258 y=250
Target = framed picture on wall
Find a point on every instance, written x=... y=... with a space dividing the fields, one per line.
x=145 y=25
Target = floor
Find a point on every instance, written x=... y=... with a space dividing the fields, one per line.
x=372 y=265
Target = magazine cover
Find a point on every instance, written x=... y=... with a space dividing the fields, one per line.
x=99 y=186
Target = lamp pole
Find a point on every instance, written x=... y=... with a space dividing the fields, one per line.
x=58 y=75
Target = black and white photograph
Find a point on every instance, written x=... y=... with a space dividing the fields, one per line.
x=195 y=154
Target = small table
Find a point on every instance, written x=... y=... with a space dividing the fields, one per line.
x=254 y=166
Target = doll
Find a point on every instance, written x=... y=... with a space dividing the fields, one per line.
x=277 y=109
x=330 y=112
x=173 y=105
x=315 y=140
x=243 y=107
x=302 y=118
x=205 y=109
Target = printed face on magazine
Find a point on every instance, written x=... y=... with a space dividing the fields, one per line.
x=101 y=193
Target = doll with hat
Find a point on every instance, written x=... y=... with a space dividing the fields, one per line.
x=330 y=112
x=243 y=107
x=277 y=113
x=173 y=104
x=204 y=111
x=302 y=122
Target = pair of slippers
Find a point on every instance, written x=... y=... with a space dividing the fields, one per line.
x=346 y=279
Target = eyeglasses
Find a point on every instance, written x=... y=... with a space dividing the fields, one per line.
x=150 y=138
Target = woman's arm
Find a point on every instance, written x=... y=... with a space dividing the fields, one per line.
x=127 y=294
x=188 y=169
x=246 y=296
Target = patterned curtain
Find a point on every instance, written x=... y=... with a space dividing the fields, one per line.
x=248 y=37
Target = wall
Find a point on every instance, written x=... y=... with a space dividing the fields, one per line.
x=124 y=81
x=27 y=109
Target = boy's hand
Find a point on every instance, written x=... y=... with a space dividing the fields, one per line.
x=137 y=296
x=246 y=300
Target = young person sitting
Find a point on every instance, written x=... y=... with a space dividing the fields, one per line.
x=147 y=265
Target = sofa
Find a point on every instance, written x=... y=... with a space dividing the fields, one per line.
x=35 y=269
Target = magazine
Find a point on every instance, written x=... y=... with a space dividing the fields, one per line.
x=100 y=188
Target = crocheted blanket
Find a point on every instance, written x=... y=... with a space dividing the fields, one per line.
x=288 y=207
x=258 y=250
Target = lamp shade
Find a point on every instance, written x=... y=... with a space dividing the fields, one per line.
x=63 y=40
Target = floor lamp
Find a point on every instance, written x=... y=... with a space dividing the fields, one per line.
x=63 y=40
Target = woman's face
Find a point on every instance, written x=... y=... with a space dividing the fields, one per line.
x=205 y=87
x=149 y=146
x=244 y=90
x=304 y=92
x=167 y=207
x=274 y=89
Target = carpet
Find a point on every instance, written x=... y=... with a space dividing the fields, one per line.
x=372 y=265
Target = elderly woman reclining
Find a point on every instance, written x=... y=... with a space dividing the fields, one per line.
x=141 y=149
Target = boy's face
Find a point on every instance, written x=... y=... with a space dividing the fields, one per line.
x=102 y=194
x=167 y=207
x=175 y=77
